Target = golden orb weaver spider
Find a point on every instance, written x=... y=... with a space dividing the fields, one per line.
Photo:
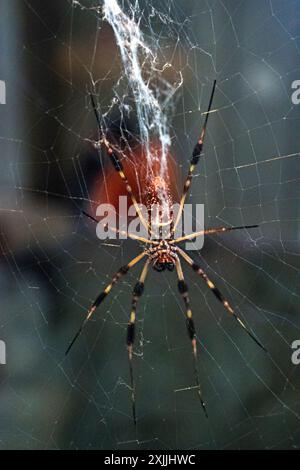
x=164 y=254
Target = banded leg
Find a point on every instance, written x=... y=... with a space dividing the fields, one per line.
x=122 y=271
x=195 y=159
x=137 y=293
x=183 y=289
x=117 y=164
x=212 y=231
x=218 y=295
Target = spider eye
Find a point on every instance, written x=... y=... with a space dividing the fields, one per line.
x=170 y=266
x=159 y=267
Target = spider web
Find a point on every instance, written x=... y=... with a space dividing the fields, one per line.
x=53 y=266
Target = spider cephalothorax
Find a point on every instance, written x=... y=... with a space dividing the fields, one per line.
x=163 y=254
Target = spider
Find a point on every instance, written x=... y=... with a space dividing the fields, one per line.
x=164 y=254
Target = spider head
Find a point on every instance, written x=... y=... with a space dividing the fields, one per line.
x=159 y=266
x=163 y=256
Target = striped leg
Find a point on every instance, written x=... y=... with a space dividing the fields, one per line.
x=119 y=167
x=195 y=159
x=183 y=289
x=211 y=231
x=122 y=271
x=218 y=295
x=137 y=293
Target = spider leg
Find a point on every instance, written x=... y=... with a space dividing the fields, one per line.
x=195 y=159
x=119 y=167
x=122 y=271
x=183 y=289
x=218 y=295
x=136 y=294
x=123 y=232
x=211 y=231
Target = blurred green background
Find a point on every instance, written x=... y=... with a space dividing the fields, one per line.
x=52 y=265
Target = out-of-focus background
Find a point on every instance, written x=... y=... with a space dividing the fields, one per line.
x=52 y=265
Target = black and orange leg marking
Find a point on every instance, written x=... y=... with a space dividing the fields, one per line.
x=212 y=231
x=218 y=295
x=117 y=164
x=183 y=289
x=122 y=271
x=136 y=294
x=195 y=159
